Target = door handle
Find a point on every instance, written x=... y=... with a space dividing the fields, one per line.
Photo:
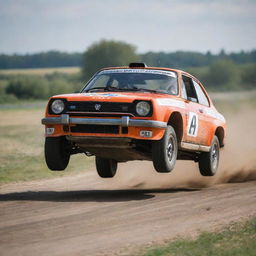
x=201 y=110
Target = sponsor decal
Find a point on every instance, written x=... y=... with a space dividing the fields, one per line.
x=142 y=71
x=104 y=95
x=221 y=117
x=171 y=103
x=193 y=124
x=215 y=114
x=210 y=113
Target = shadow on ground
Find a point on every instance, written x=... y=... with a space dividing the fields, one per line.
x=88 y=195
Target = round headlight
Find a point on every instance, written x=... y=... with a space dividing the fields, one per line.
x=143 y=108
x=57 y=106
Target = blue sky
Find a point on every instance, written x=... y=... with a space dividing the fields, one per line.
x=28 y=26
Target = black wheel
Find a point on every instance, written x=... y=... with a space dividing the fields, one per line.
x=164 y=151
x=57 y=153
x=209 y=161
x=106 y=168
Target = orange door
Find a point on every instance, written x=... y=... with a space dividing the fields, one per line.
x=196 y=124
x=196 y=131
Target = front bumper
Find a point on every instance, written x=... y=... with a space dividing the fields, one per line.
x=125 y=121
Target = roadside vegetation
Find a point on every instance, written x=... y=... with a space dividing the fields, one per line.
x=22 y=150
x=220 y=76
x=218 y=72
x=19 y=87
x=236 y=240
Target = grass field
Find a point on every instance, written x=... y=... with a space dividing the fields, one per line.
x=236 y=240
x=22 y=145
x=40 y=71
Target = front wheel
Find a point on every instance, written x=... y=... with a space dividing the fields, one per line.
x=106 y=168
x=57 y=153
x=209 y=161
x=164 y=151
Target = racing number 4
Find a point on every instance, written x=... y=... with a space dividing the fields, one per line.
x=192 y=124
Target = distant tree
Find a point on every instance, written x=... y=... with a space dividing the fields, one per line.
x=36 y=87
x=222 y=54
x=222 y=73
x=40 y=60
x=106 y=54
x=28 y=87
x=59 y=86
x=248 y=76
x=178 y=59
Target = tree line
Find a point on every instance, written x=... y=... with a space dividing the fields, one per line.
x=178 y=59
x=40 y=60
x=222 y=75
x=235 y=71
x=36 y=87
x=218 y=72
x=182 y=59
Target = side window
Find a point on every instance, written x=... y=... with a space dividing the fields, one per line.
x=190 y=89
x=183 y=90
x=201 y=95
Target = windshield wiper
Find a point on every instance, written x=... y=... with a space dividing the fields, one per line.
x=145 y=90
x=96 y=89
x=109 y=88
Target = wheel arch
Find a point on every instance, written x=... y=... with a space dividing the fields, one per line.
x=176 y=121
x=220 y=133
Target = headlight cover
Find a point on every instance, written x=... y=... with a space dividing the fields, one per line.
x=57 y=106
x=143 y=108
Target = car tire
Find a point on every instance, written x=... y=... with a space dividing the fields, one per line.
x=106 y=168
x=57 y=153
x=164 y=151
x=209 y=161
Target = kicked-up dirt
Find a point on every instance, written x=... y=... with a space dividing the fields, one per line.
x=87 y=215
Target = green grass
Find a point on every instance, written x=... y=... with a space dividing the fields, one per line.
x=236 y=240
x=22 y=146
x=25 y=168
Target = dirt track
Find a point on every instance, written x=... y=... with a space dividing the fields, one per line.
x=85 y=215
x=95 y=220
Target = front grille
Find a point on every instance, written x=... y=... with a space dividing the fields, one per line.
x=86 y=114
x=88 y=128
x=100 y=107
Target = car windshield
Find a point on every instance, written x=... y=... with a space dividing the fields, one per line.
x=154 y=81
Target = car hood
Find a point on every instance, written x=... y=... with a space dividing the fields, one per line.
x=113 y=96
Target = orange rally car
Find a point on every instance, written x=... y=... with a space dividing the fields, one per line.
x=135 y=113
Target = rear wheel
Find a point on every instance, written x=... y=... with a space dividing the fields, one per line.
x=106 y=168
x=57 y=153
x=164 y=151
x=209 y=161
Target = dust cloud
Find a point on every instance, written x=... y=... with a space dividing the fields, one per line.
x=237 y=163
